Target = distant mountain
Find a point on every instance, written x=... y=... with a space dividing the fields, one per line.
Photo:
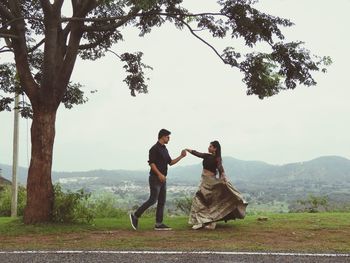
x=234 y=168
x=327 y=168
x=322 y=169
x=4 y=181
x=334 y=168
x=6 y=171
x=99 y=176
x=274 y=187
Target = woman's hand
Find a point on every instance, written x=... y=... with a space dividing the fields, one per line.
x=223 y=177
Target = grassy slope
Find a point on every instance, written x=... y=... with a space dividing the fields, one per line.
x=302 y=232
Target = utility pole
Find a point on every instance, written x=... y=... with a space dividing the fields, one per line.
x=15 y=160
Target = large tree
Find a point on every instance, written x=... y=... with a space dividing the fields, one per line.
x=45 y=44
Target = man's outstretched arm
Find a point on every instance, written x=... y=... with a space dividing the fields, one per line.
x=182 y=155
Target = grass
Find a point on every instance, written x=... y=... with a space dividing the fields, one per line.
x=301 y=232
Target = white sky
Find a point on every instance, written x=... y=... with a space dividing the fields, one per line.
x=199 y=99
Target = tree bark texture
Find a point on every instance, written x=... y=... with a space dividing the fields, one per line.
x=40 y=196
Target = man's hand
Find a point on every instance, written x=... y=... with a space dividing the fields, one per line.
x=182 y=155
x=162 y=178
x=223 y=177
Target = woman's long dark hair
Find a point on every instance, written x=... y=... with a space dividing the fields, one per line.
x=217 y=145
x=218 y=158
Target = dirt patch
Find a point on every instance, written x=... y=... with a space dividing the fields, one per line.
x=220 y=239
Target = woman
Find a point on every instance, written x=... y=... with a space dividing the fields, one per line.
x=216 y=198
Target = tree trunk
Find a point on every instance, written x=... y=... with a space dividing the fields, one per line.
x=40 y=196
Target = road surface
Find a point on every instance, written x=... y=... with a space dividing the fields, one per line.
x=166 y=256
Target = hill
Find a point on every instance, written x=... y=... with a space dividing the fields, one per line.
x=261 y=183
x=321 y=170
x=4 y=181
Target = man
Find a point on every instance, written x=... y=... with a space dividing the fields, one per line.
x=158 y=160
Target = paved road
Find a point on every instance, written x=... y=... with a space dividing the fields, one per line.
x=153 y=257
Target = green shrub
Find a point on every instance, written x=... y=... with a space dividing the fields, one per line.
x=5 y=200
x=312 y=204
x=71 y=207
x=105 y=205
x=184 y=204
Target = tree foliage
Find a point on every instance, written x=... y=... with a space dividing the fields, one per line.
x=71 y=207
x=45 y=43
x=100 y=25
x=312 y=204
x=6 y=198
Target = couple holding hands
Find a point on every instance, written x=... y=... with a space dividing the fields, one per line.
x=215 y=200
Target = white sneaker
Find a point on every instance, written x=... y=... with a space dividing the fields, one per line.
x=198 y=226
x=210 y=226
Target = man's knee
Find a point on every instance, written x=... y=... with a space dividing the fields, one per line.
x=152 y=201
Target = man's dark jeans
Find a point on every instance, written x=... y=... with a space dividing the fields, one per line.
x=157 y=193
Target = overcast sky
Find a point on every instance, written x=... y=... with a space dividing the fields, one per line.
x=199 y=99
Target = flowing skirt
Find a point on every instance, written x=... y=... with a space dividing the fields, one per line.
x=216 y=200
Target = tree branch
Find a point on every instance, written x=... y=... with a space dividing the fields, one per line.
x=201 y=39
x=58 y=4
x=103 y=28
x=88 y=46
x=79 y=12
x=3 y=50
x=4 y=47
x=6 y=50
x=83 y=9
x=5 y=35
x=113 y=26
x=15 y=19
x=20 y=50
x=74 y=4
x=46 y=5
x=5 y=12
x=114 y=53
x=92 y=45
x=80 y=9
x=36 y=46
x=96 y=43
x=15 y=8
x=69 y=60
x=113 y=18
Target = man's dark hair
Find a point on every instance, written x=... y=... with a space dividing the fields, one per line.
x=163 y=132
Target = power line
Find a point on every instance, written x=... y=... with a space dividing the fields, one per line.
x=15 y=159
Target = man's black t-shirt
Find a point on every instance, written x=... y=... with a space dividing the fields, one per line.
x=159 y=155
